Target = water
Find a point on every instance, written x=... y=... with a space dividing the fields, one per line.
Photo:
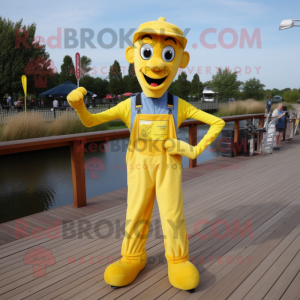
x=32 y=182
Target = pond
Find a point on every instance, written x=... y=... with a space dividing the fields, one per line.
x=32 y=182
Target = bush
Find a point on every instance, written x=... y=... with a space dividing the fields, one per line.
x=291 y=96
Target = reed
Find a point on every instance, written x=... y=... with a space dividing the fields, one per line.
x=244 y=107
x=33 y=125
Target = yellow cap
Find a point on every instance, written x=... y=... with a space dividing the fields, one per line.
x=160 y=27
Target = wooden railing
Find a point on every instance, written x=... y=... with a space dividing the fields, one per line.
x=77 y=142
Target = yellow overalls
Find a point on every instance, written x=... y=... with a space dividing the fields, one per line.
x=153 y=170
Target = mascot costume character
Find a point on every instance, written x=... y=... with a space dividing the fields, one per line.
x=153 y=118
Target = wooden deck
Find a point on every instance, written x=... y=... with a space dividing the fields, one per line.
x=261 y=262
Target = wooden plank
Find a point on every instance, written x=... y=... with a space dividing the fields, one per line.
x=293 y=291
x=258 y=281
x=288 y=269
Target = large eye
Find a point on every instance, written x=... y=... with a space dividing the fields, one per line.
x=146 y=51
x=168 y=53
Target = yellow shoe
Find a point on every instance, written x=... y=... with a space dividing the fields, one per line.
x=124 y=271
x=183 y=275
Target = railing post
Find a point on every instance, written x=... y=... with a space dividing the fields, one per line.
x=78 y=174
x=285 y=125
x=193 y=142
x=236 y=136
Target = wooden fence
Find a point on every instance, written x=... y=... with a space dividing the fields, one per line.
x=77 y=142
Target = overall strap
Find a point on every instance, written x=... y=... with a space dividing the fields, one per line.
x=170 y=103
x=138 y=103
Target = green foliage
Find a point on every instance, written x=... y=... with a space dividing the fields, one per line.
x=126 y=83
x=85 y=65
x=225 y=84
x=87 y=82
x=116 y=84
x=253 y=89
x=291 y=96
x=184 y=86
x=100 y=87
x=17 y=48
x=67 y=70
x=196 y=86
x=173 y=88
x=133 y=85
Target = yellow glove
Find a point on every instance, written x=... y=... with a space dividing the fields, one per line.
x=75 y=98
x=174 y=146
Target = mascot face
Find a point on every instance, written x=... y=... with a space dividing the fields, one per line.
x=157 y=57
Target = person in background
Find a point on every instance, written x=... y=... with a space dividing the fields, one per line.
x=55 y=104
x=280 y=124
x=8 y=101
x=269 y=104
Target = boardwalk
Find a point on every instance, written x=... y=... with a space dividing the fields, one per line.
x=261 y=262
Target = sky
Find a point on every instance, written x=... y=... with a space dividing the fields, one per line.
x=217 y=32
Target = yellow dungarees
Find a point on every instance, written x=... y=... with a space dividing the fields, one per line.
x=153 y=171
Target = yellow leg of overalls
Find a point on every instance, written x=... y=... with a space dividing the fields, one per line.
x=182 y=274
x=149 y=171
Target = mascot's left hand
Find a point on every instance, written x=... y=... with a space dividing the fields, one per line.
x=174 y=146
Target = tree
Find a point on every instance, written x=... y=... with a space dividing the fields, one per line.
x=126 y=82
x=225 y=84
x=133 y=83
x=291 y=96
x=88 y=82
x=184 y=86
x=67 y=70
x=85 y=65
x=18 y=47
x=196 y=86
x=116 y=84
x=173 y=88
x=100 y=87
x=254 y=89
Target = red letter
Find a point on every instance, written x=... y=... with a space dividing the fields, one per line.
x=202 y=38
x=250 y=42
x=57 y=38
x=196 y=228
x=36 y=230
x=55 y=229
x=22 y=230
x=237 y=227
x=93 y=147
x=214 y=231
x=19 y=39
x=234 y=41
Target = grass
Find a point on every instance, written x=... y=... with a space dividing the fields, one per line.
x=245 y=107
x=33 y=125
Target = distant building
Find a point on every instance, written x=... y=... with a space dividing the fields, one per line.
x=277 y=99
x=208 y=94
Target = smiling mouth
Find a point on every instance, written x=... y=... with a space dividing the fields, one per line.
x=154 y=82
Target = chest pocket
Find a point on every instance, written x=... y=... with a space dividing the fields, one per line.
x=156 y=130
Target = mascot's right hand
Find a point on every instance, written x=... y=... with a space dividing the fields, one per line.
x=75 y=98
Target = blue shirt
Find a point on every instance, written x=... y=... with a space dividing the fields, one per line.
x=280 y=122
x=154 y=106
x=269 y=104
